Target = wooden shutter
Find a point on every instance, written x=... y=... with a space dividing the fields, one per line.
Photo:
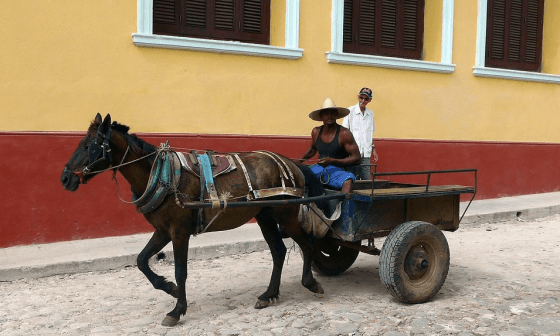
x=238 y=20
x=384 y=27
x=514 y=34
x=166 y=17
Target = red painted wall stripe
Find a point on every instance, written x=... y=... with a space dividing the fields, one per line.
x=34 y=208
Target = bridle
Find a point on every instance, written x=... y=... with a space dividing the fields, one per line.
x=98 y=153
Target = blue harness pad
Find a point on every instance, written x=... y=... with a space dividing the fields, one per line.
x=206 y=169
x=163 y=180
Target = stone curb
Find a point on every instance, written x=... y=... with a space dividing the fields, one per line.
x=224 y=249
x=121 y=261
x=525 y=214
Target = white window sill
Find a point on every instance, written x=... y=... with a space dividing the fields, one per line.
x=389 y=62
x=516 y=75
x=228 y=47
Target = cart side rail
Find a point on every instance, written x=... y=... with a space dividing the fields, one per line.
x=429 y=174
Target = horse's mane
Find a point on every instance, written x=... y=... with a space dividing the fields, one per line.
x=137 y=145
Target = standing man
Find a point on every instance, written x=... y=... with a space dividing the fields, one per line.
x=360 y=122
x=336 y=147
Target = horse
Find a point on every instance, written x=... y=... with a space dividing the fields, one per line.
x=109 y=146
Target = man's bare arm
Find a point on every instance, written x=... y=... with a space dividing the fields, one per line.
x=312 y=150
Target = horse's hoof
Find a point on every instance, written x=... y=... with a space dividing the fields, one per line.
x=319 y=289
x=169 y=321
x=261 y=304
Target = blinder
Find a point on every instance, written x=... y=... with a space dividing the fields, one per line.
x=98 y=153
x=94 y=151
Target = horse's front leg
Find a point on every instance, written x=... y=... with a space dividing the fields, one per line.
x=181 y=253
x=156 y=244
x=273 y=238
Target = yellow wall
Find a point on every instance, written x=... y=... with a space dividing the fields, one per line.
x=551 y=37
x=432 y=30
x=62 y=61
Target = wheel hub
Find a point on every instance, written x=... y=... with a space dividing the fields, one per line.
x=416 y=262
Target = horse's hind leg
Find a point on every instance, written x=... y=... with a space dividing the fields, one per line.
x=156 y=244
x=290 y=224
x=273 y=238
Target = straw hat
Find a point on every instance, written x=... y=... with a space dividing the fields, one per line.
x=329 y=105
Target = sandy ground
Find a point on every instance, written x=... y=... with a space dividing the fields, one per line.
x=503 y=280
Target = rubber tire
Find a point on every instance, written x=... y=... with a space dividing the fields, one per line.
x=330 y=259
x=403 y=241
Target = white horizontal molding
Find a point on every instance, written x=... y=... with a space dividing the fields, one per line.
x=389 y=62
x=226 y=47
x=516 y=75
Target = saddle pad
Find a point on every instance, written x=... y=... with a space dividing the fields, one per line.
x=225 y=165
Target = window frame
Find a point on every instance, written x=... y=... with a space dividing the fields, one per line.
x=481 y=70
x=210 y=30
x=336 y=55
x=378 y=47
x=146 y=38
x=506 y=62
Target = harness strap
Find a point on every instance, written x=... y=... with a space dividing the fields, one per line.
x=200 y=221
x=251 y=195
x=152 y=182
x=206 y=168
x=277 y=158
x=281 y=169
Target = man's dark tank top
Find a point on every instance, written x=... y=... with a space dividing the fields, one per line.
x=331 y=149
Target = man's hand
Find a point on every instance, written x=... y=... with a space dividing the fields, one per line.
x=326 y=161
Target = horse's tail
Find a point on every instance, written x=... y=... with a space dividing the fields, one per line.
x=313 y=186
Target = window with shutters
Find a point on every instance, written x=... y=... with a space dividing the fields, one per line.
x=514 y=34
x=384 y=27
x=237 y=20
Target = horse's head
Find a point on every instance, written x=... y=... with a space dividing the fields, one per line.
x=92 y=155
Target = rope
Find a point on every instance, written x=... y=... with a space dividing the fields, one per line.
x=121 y=165
x=223 y=198
x=162 y=147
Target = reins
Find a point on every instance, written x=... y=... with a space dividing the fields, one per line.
x=119 y=165
x=161 y=148
x=99 y=153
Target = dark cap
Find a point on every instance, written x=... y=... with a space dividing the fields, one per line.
x=366 y=91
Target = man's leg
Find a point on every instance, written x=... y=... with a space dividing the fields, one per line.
x=347 y=186
x=340 y=179
x=356 y=170
x=365 y=171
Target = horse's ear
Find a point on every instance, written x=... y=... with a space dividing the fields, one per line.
x=98 y=119
x=106 y=123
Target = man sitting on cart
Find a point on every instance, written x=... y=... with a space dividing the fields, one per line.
x=336 y=147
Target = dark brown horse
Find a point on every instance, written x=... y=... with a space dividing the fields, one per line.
x=108 y=145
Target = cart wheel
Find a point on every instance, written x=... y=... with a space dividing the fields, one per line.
x=414 y=262
x=331 y=259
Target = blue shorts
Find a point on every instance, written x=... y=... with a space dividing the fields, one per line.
x=331 y=175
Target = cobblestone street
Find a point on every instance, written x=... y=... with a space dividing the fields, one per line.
x=503 y=280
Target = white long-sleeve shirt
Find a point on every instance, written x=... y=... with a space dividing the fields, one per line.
x=362 y=126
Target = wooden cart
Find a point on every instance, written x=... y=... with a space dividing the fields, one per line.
x=414 y=259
